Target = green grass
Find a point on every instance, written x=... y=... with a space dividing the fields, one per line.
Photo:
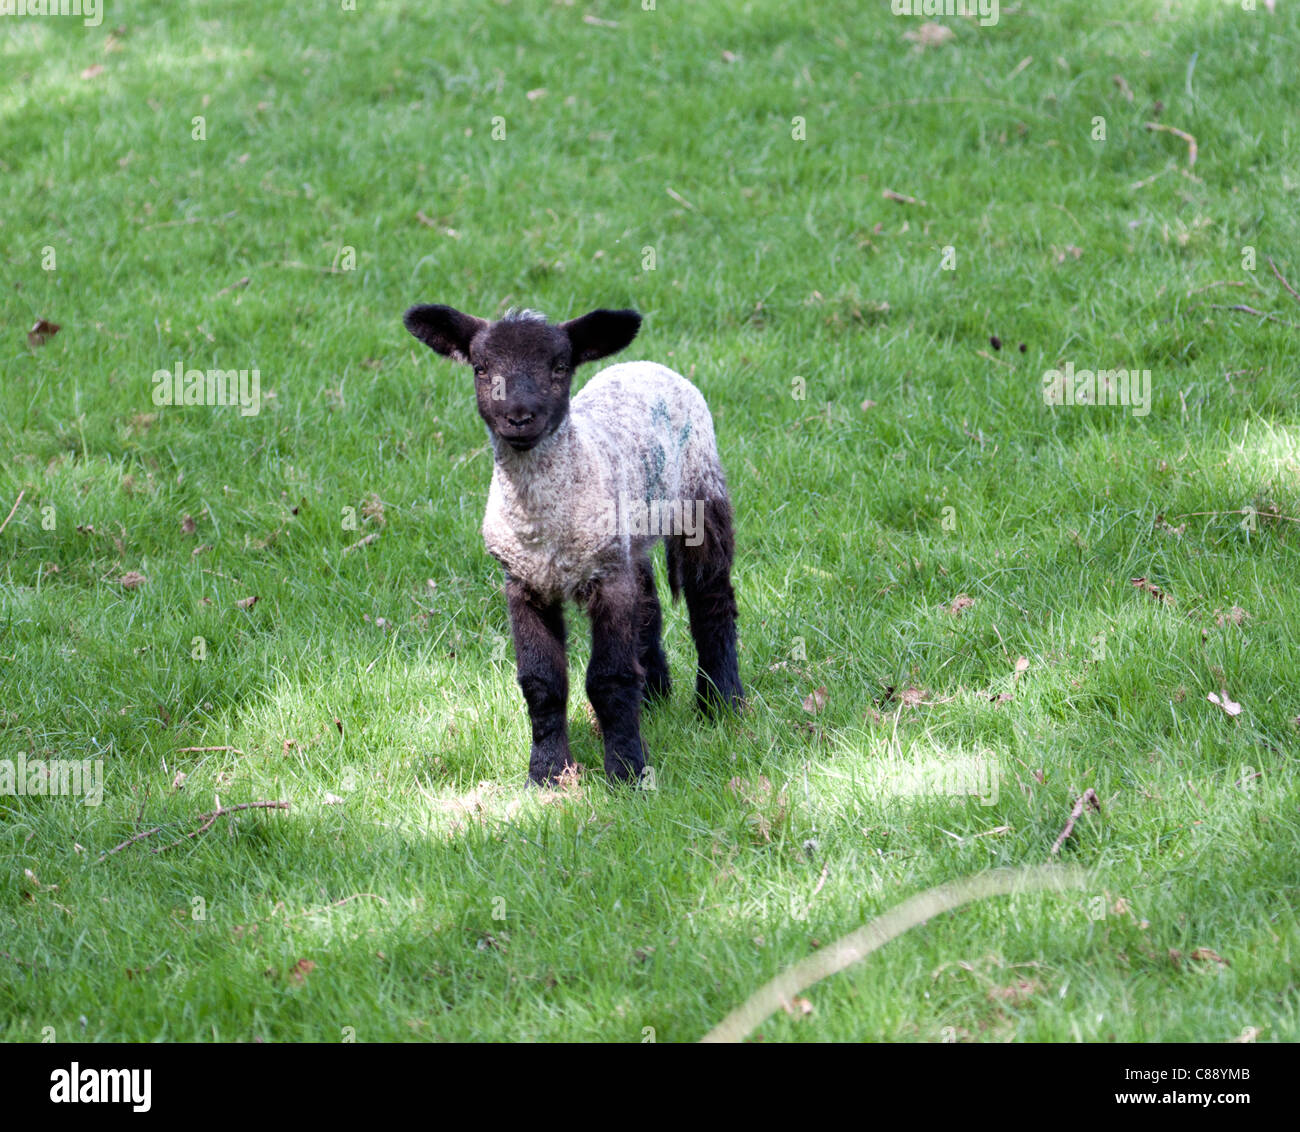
x=480 y=909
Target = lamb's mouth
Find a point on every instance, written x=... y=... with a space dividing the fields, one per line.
x=522 y=441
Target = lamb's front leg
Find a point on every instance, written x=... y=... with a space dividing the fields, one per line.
x=538 y=630
x=615 y=678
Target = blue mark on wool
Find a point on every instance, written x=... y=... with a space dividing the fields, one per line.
x=654 y=461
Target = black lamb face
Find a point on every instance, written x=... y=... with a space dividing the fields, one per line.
x=523 y=365
x=523 y=368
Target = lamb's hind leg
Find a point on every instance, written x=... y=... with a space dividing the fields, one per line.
x=650 y=652
x=615 y=678
x=704 y=573
x=538 y=630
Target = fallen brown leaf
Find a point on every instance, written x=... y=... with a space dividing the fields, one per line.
x=1234 y=616
x=1207 y=955
x=372 y=508
x=1151 y=588
x=1226 y=702
x=959 y=603
x=816 y=701
x=1015 y=994
x=42 y=332
x=930 y=34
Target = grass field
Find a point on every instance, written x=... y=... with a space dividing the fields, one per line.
x=237 y=186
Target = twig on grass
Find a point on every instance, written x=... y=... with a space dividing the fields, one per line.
x=190 y=750
x=1282 y=279
x=1019 y=67
x=365 y=540
x=1142 y=184
x=279 y=907
x=188 y=220
x=208 y=821
x=826 y=871
x=1088 y=797
x=678 y=197
x=337 y=904
x=1245 y=310
x=1238 y=511
x=234 y=286
x=1191 y=141
x=12 y=510
x=1217 y=283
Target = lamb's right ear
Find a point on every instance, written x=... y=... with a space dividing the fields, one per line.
x=444 y=329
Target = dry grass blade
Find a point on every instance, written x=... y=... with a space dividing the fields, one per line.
x=782 y=990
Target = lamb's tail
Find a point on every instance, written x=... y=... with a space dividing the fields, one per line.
x=674 y=567
x=698 y=562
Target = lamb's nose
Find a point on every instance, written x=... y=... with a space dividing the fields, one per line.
x=520 y=419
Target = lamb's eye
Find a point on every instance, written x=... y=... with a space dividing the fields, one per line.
x=480 y=371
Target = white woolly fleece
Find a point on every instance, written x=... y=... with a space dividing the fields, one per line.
x=638 y=443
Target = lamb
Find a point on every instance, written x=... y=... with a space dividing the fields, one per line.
x=581 y=491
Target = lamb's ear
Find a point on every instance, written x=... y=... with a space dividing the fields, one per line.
x=600 y=333
x=444 y=329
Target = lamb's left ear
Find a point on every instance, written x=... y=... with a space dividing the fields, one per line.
x=444 y=329
x=600 y=333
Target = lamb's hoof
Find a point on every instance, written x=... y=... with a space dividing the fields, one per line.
x=714 y=701
x=625 y=769
x=553 y=775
